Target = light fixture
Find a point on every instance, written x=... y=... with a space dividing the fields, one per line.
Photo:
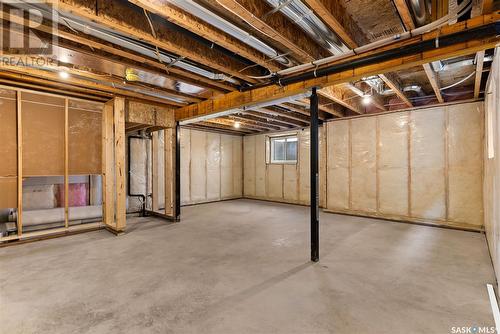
x=367 y=99
x=237 y=125
x=63 y=75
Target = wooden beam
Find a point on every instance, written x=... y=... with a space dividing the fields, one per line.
x=116 y=15
x=433 y=79
x=335 y=16
x=405 y=14
x=479 y=73
x=276 y=26
x=393 y=83
x=270 y=93
x=200 y=28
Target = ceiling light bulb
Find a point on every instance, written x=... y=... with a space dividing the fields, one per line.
x=237 y=125
x=366 y=100
x=64 y=75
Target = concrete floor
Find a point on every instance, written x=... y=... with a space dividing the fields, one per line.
x=242 y=267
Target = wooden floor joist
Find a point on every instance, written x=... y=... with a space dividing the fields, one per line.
x=272 y=92
x=116 y=16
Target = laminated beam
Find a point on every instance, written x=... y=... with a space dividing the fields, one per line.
x=200 y=28
x=433 y=79
x=117 y=16
x=392 y=58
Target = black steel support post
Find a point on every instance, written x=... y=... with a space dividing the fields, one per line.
x=314 y=178
x=177 y=213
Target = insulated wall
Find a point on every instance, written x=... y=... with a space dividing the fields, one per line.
x=492 y=164
x=211 y=166
x=422 y=165
x=289 y=183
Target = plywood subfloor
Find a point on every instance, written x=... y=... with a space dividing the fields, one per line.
x=242 y=267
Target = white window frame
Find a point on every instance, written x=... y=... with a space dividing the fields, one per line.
x=271 y=149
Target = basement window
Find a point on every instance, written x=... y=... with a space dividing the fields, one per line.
x=284 y=150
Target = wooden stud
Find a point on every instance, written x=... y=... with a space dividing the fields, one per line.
x=66 y=163
x=169 y=155
x=479 y=73
x=154 y=165
x=19 y=164
x=108 y=177
x=119 y=141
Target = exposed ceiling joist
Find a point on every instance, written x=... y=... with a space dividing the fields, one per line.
x=262 y=117
x=334 y=15
x=479 y=73
x=457 y=47
x=260 y=124
x=231 y=128
x=287 y=113
x=74 y=81
x=338 y=95
x=434 y=80
x=199 y=27
x=125 y=56
x=405 y=14
x=276 y=26
x=393 y=83
x=116 y=16
x=242 y=125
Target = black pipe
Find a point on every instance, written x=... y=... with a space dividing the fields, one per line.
x=177 y=213
x=143 y=197
x=489 y=30
x=314 y=177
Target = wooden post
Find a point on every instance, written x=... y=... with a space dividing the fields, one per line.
x=108 y=203
x=169 y=171
x=177 y=188
x=119 y=141
x=66 y=163
x=19 y=165
x=154 y=165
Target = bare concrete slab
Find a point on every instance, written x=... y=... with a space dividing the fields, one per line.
x=243 y=267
